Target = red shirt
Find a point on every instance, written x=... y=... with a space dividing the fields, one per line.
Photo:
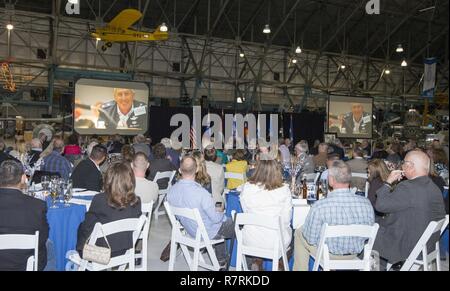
x=72 y=150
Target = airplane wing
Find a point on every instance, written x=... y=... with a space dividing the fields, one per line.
x=125 y=19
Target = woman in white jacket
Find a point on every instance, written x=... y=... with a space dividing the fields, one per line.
x=266 y=194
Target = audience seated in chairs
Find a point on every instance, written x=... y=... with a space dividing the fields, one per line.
x=187 y=193
x=140 y=146
x=410 y=206
x=320 y=160
x=55 y=162
x=87 y=174
x=334 y=210
x=146 y=190
x=117 y=202
x=20 y=214
x=266 y=194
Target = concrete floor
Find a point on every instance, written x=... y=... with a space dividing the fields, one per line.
x=159 y=237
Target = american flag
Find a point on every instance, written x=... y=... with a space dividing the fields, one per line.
x=192 y=136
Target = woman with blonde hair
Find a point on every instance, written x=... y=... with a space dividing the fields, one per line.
x=201 y=176
x=266 y=194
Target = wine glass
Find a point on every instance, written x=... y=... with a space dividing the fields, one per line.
x=67 y=196
x=45 y=182
x=54 y=195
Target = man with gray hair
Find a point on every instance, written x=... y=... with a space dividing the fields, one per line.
x=342 y=207
x=410 y=207
x=55 y=162
x=122 y=113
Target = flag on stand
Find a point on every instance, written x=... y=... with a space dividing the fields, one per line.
x=429 y=78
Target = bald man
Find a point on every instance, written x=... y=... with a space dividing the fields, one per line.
x=187 y=193
x=147 y=190
x=410 y=206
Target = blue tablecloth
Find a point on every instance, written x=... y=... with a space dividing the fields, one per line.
x=63 y=223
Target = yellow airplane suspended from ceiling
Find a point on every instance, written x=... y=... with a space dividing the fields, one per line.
x=118 y=30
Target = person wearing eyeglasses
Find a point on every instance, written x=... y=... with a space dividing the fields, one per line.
x=409 y=207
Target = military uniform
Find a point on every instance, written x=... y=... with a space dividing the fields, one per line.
x=350 y=127
x=135 y=119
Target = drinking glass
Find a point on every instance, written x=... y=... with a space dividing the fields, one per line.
x=45 y=182
x=67 y=196
x=54 y=195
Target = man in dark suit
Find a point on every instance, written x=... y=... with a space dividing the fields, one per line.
x=122 y=113
x=409 y=208
x=20 y=214
x=87 y=174
x=357 y=121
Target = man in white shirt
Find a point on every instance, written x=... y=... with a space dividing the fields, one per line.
x=147 y=190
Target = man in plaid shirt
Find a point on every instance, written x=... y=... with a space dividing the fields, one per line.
x=55 y=162
x=341 y=207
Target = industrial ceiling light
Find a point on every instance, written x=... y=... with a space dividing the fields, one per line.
x=387 y=71
x=241 y=55
x=266 y=29
x=240 y=100
x=163 y=27
x=400 y=48
x=9 y=26
x=343 y=67
x=298 y=50
x=404 y=63
x=294 y=60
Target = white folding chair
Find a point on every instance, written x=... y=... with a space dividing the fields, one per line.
x=162 y=193
x=182 y=238
x=413 y=263
x=272 y=223
x=22 y=242
x=134 y=225
x=322 y=256
x=147 y=209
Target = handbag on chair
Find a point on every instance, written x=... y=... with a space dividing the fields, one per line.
x=96 y=254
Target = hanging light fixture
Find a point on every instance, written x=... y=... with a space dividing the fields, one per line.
x=298 y=50
x=163 y=27
x=387 y=71
x=241 y=54
x=240 y=100
x=399 y=49
x=294 y=60
x=266 y=29
x=9 y=26
x=404 y=63
x=343 y=67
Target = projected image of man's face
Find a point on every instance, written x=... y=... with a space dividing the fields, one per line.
x=124 y=99
x=357 y=110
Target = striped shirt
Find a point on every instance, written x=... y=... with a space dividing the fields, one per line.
x=341 y=207
x=56 y=163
